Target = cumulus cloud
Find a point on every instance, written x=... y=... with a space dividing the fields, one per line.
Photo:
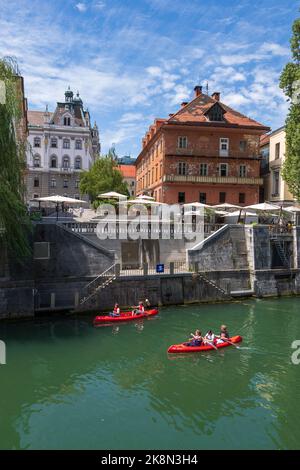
x=82 y=7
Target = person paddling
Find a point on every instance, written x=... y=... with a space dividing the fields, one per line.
x=137 y=310
x=116 y=311
x=223 y=336
x=196 y=339
x=209 y=337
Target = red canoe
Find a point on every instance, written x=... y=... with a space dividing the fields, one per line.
x=181 y=348
x=124 y=316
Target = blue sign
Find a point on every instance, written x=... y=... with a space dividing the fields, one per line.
x=160 y=268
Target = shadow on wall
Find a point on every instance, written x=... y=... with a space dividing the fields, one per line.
x=69 y=256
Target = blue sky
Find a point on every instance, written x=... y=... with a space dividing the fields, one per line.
x=136 y=60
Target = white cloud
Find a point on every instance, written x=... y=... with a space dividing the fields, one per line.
x=82 y=7
x=275 y=49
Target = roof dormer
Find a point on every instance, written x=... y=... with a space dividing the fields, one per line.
x=215 y=113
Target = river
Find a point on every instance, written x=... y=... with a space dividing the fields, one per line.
x=68 y=385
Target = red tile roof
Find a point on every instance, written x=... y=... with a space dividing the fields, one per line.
x=264 y=140
x=194 y=113
x=36 y=118
x=128 y=171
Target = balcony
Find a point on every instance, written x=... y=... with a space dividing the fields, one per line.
x=211 y=179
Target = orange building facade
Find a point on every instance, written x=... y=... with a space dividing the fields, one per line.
x=206 y=152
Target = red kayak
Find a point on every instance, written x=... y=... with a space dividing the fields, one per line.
x=124 y=316
x=182 y=348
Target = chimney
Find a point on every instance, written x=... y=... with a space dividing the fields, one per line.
x=184 y=103
x=216 y=95
x=171 y=114
x=198 y=90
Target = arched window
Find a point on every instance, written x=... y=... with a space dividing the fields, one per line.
x=78 y=163
x=67 y=121
x=78 y=144
x=53 y=161
x=37 y=142
x=36 y=161
x=53 y=142
x=66 y=143
x=66 y=162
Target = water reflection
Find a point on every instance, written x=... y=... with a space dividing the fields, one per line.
x=99 y=387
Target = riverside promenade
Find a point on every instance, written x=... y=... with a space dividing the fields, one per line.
x=71 y=270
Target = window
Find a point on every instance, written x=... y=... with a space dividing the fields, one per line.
x=242 y=198
x=182 y=142
x=182 y=168
x=275 y=183
x=156 y=173
x=53 y=162
x=78 y=163
x=78 y=144
x=35 y=196
x=77 y=183
x=36 y=142
x=66 y=162
x=181 y=197
x=36 y=161
x=76 y=196
x=203 y=169
x=223 y=169
x=160 y=170
x=53 y=143
x=277 y=150
x=66 y=144
x=224 y=146
x=215 y=113
x=67 y=121
x=243 y=145
x=53 y=183
x=65 y=183
x=36 y=182
x=242 y=172
x=222 y=197
x=202 y=198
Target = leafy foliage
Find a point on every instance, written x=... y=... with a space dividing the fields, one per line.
x=290 y=83
x=14 y=223
x=104 y=176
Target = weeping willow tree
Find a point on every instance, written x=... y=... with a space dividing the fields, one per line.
x=14 y=223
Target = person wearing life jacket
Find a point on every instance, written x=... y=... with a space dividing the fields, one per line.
x=195 y=339
x=209 y=337
x=116 y=311
x=223 y=336
x=147 y=303
x=137 y=310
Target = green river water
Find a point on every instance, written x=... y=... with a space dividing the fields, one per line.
x=67 y=385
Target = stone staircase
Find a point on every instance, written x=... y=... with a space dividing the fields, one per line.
x=279 y=244
x=99 y=283
x=214 y=285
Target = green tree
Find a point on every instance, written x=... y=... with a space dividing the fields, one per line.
x=104 y=176
x=290 y=84
x=14 y=223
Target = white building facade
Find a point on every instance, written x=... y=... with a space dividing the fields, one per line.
x=60 y=146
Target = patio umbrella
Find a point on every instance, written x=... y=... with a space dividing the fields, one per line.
x=148 y=198
x=196 y=204
x=225 y=206
x=112 y=195
x=291 y=209
x=264 y=206
x=60 y=199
